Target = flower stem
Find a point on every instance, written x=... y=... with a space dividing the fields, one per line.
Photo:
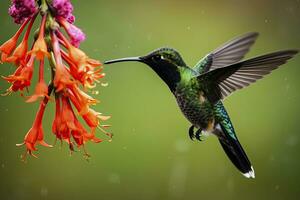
x=52 y=65
x=43 y=7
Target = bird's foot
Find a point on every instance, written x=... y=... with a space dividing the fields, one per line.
x=196 y=135
x=191 y=132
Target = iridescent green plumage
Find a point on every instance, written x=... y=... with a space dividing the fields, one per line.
x=199 y=91
x=223 y=118
x=193 y=91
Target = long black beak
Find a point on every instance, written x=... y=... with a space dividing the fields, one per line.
x=138 y=59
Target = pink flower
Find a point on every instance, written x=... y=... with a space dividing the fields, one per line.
x=76 y=35
x=22 y=9
x=63 y=8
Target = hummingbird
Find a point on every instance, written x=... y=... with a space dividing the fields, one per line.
x=200 y=90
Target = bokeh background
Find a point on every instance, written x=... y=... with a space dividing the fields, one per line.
x=151 y=156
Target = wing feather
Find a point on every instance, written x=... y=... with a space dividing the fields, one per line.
x=224 y=81
x=227 y=54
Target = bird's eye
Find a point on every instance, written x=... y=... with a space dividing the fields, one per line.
x=158 y=57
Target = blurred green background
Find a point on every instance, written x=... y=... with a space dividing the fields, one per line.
x=151 y=156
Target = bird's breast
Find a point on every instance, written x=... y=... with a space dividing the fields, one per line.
x=195 y=108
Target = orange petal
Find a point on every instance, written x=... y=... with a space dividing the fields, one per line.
x=43 y=143
x=40 y=49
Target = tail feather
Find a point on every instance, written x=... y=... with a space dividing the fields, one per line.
x=237 y=155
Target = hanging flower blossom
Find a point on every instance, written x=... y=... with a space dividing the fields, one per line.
x=35 y=134
x=41 y=88
x=76 y=35
x=71 y=70
x=20 y=51
x=21 y=78
x=64 y=9
x=83 y=68
x=22 y=9
x=7 y=48
x=40 y=47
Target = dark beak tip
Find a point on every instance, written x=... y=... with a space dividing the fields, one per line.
x=106 y=62
x=136 y=59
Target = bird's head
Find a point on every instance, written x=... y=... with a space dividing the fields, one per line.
x=166 y=62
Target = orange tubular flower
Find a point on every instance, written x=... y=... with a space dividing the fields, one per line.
x=86 y=77
x=92 y=118
x=35 y=133
x=7 y=48
x=21 y=78
x=40 y=47
x=57 y=119
x=81 y=66
x=71 y=72
x=41 y=89
x=81 y=99
x=67 y=120
x=62 y=79
x=21 y=50
x=66 y=125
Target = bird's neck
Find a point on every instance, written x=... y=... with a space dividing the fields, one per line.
x=171 y=75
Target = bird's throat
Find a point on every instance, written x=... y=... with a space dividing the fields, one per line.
x=169 y=74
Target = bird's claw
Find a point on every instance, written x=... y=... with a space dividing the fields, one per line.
x=196 y=135
x=191 y=132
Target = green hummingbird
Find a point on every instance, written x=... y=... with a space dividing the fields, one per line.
x=199 y=91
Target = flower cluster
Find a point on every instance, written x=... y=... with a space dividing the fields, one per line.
x=57 y=40
x=22 y=9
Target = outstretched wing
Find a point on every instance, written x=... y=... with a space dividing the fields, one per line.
x=222 y=82
x=227 y=54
